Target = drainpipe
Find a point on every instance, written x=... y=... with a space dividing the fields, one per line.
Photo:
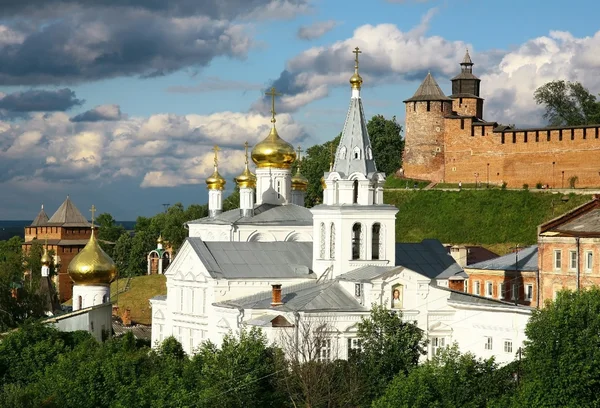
x=296 y=334
x=577 y=272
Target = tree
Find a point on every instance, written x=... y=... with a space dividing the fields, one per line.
x=142 y=243
x=561 y=366
x=315 y=163
x=121 y=252
x=568 y=104
x=108 y=232
x=386 y=142
x=389 y=346
x=450 y=379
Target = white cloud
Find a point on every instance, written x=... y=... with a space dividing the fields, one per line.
x=316 y=30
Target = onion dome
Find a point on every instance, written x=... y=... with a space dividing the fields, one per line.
x=247 y=179
x=299 y=182
x=46 y=258
x=215 y=181
x=273 y=151
x=92 y=266
x=160 y=239
x=356 y=80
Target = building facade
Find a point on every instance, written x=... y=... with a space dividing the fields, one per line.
x=447 y=139
x=277 y=265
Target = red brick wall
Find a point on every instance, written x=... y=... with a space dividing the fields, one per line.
x=468 y=107
x=509 y=278
x=521 y=159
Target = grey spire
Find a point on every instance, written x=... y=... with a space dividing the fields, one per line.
x=68 y=215
x=429 y=90
x=354 y=153
x=467 y=59
x=40 y=219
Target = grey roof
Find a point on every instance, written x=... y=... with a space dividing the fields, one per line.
x=68 y=215
x=480 y=300
x=139 y=331
x=253 y=260
x=527 y=261
x=467 y=59
x=587 y=223
x=41 y=218
x=160 y=297
x=429 y=258
x=64 y=242
x=465 y=75
x=354 y=135
x=273 y=214
x=429 y=90
x=306 y=297
x=265 y=320
x=366 y=273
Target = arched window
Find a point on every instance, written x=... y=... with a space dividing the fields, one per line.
x=356 y=153
x=356 y=234
x=355 y=195
x=376 y=240
x=322 y=242
x=332 y=242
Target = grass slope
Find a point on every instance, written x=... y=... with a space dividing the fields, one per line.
x=496 y=219
x=142 y=288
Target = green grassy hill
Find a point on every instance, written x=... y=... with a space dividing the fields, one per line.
x=497 y=219
x=142 y=288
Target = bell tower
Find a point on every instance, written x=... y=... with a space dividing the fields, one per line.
x=465 y=90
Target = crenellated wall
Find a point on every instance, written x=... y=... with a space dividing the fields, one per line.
x=522 y=156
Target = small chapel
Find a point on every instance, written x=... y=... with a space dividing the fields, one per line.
x=280 y=266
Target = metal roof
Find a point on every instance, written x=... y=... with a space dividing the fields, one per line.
x=62 y=242
x=429 y=258
x=354 y=135
x=306 y=297
x=527 y=261
x=588 y=222
x=289 y=214
x=462 y=297
x=68 y=215
x=366 y=273
x=429 y=90
x=40 y=219
x=253 y=260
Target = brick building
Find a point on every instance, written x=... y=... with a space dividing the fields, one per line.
x=447 y=139
x=67 y=232
x=512 y=277
x=569 y=248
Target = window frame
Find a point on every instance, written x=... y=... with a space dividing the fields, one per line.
x=477 y=284
x=557 y=260
x=589 y=261
x=572 y=260
x=489 y=343
x=528 y=289
x=501 y=286
x=489 y=289
x=508 y=346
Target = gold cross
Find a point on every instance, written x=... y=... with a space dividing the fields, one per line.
x=356 y=51
x=299 y=150
x=93 y=211
x=216 y=150
x=246 y=151
x=273 y=94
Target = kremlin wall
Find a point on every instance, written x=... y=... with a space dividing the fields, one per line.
x=447 y=140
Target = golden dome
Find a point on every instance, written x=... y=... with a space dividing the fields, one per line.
x=160 y=239
x=299 y=182
x=247 y=179
x=46 y=258
x=273 y=152
x=92 y=266
x=215 y=181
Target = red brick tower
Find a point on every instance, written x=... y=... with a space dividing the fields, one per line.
x=424 y=132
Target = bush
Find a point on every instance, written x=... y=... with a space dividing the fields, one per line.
x=504 y=184
x=525 y=186
x=538 y=185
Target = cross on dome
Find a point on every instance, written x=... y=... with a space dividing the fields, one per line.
x=93 y=211
x=216 y=149
x=272 y=93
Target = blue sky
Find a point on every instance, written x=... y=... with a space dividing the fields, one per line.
x=120 y=106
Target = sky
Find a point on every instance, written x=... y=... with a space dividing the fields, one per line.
x=118 y=103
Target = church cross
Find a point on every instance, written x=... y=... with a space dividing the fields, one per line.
x=299 y=150
x=356 y=51
x=272 y=93
x=246 y=151
x=216 y=150
x=93 y=211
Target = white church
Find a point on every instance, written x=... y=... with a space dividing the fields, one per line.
x=279 y=266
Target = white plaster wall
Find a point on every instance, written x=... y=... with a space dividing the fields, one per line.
x=91 y=295
x=244 y=233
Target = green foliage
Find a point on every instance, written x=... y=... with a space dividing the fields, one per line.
x=449 y=380
x=568 y=103
x=315 y=163
x=572 y=181
x=108 y=232
x=389 y=346
x=475 y=216
x=386 y=142
x=562 y=357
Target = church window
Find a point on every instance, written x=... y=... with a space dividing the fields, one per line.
x=343 y=152
x=353 y=344
x=356 y=153
x=508 y=346
x=437 y=344
x=428 y=106
x=488 y=343
x=332 y=242
x=324 y=351
x=356 y=235
x=322 y=241
x=355 y=192
x=376 y=232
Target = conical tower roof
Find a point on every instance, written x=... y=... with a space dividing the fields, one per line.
x=429 y=90
x=68 y=215
x=467 y=59
x=40 y=219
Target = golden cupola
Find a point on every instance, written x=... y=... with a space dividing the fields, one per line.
x=356 y=80
x=273 y=151
x=246 y=179
x=299 y=182
x=215 y=181
x=46 y=258
x=92 y=266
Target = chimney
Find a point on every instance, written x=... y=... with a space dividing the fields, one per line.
x=276 y=295
x=126 y=318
